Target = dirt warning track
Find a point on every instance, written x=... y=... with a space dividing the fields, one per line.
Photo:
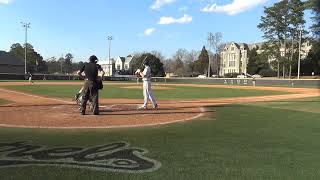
x=33 y=111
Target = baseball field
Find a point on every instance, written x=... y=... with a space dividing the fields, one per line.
x=199 y=132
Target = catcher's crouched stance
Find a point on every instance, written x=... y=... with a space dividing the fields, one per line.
x=90 y=89
x=78 y=99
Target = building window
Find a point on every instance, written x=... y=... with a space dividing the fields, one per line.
x=232 y=63
x=118 y=67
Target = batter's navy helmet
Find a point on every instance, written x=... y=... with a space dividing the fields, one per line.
x=146 y=62
x=93 y=58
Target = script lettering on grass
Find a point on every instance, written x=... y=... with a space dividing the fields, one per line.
x=114 y=157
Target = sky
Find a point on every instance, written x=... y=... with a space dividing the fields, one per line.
x=82 y=27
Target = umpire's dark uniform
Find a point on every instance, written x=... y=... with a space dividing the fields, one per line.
x=90 y=86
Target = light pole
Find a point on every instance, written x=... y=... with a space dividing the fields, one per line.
x=61 y=61
x=26 y=26
x=210 y=43
x=110 y=38
x=300 y=36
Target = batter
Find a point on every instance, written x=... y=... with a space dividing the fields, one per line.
x=147 y=91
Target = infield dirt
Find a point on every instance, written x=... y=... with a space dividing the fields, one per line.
x=33 y=111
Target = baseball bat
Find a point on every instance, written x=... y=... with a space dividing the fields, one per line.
x=141 y=65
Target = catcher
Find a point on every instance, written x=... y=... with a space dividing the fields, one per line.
x=78 y=98
x=147 y=91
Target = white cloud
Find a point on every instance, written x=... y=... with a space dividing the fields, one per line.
x=149 y=31
x=5 y=1
x=159 y=3
x=237 y=6
x=170 y=20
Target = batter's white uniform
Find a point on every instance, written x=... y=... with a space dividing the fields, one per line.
x=147 y=92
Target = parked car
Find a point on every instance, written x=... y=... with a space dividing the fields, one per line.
x=242 y=76
x=215 y=76
x=202 y=76
x=256 y=76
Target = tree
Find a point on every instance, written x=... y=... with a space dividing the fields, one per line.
x=190 y=59
x=314 y=5
x=256 y=62
x=67 y=64
x=35 y=61
x=296 y=24
x=158 y=55
x=312 y=62
x=201 y=64
x=167 y=65
x=156 y=65
x=18 y=50
x=214 y=42
x=53 y=65
x=279 y=25
x=179 y=65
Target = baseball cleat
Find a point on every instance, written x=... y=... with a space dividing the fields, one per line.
x=142 y=108
x=155 y=106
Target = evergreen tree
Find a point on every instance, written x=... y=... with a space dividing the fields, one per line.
x=256 y=62
x=201 y=64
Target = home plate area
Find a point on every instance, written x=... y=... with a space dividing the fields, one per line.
x=67 y=116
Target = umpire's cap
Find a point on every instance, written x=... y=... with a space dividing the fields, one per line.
x=93 y=58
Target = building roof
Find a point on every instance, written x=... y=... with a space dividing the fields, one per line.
x=245 y=45
x=128 y=59
x=123 y=59
x=10 y=59
x=256 y=45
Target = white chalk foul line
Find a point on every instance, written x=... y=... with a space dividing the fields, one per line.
x=35 y=96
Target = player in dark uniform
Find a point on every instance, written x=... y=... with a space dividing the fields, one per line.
x=90 y=87
x=30 y=78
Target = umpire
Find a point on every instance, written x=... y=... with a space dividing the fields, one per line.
x=91 y=85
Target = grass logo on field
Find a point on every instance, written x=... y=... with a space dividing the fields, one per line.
x=114 y=157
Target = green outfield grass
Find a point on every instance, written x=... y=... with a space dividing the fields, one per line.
x=196 y=81
x=306 y=104
x=3 y=102
x=115 y=91
x=254 y=141
x=234 y=142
